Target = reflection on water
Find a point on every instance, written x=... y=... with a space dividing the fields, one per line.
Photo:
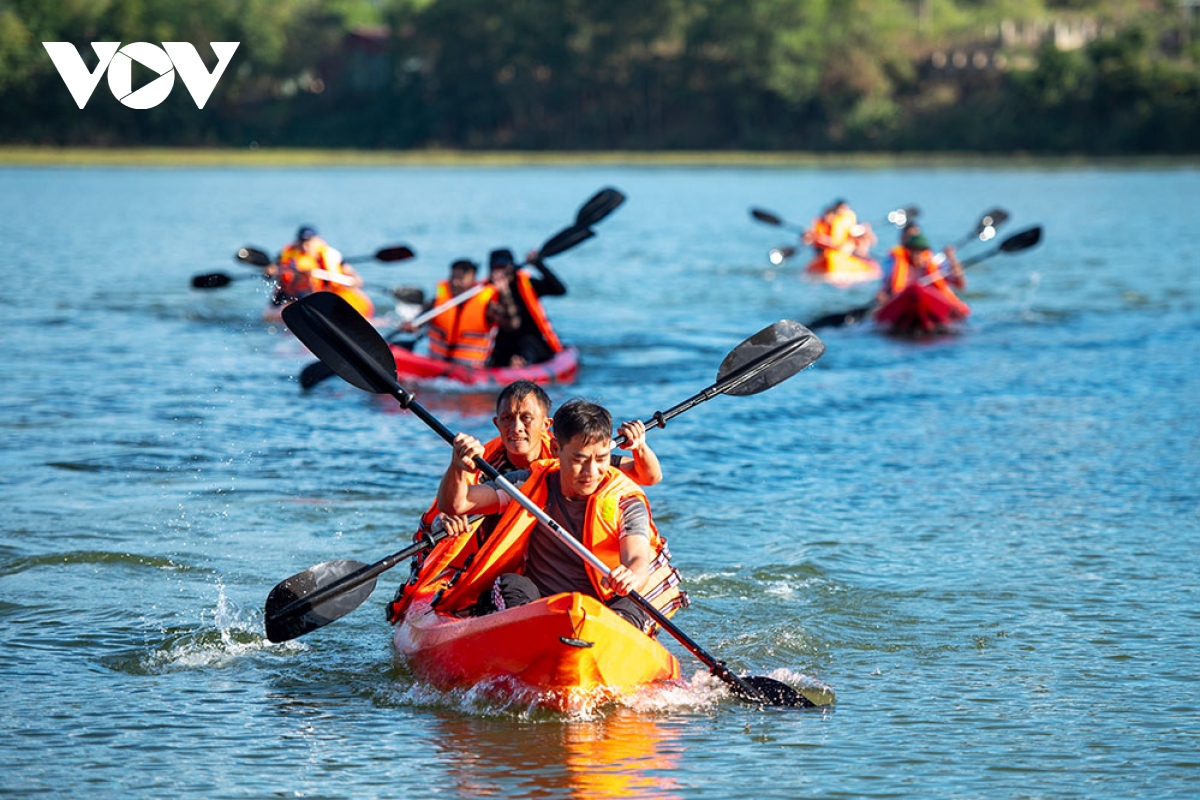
x=622 y=754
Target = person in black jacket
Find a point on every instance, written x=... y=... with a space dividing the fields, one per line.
x=525 y=335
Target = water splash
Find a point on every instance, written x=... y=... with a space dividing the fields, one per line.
x=226 y=637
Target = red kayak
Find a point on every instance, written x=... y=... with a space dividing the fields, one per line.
x=410 y=366
x=921 y=309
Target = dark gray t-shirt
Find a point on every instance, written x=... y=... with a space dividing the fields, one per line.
x=553 y=566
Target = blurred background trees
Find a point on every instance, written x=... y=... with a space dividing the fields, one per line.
x=1047 y=76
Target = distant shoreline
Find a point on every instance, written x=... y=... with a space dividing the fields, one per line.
x=293 y=157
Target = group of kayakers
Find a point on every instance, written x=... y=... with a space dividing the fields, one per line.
x=495 y=322
x=498 y=557
x=499 y=322
x=838 y=233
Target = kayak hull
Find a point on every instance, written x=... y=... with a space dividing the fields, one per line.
x=562 y=649
x=919 y=310
x=357 y=299
x=842 y=269
x=416 y=368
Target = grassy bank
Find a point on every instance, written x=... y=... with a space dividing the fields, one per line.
x=284 y=158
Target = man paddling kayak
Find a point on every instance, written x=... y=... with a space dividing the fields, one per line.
x=913 y=261
x=588 y=497
x=916 y=297
x=310 y=265
x=524 y=425
x=464 y=332
x=525 y=335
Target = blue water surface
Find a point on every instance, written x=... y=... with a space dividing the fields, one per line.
x=986 y=543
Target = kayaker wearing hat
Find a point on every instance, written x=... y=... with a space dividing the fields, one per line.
x=310 y=265
x=524 y=424
x=913 y=261
x=525 y=335
x=588 y=497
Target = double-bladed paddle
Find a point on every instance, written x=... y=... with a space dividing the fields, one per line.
x=766 y=359
x=1013 y=244
x=340 y=336
x=254 y=257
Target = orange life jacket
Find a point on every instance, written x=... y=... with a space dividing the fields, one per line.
x=505 y=550
x=448 y=556
x=296 y=278
x=839 y=229
x=902 y=266
x=534 y=304
x=822 y=234
x=462 y=334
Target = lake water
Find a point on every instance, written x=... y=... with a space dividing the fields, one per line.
x=985 y=543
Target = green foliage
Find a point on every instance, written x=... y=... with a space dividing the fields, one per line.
x=640 y=74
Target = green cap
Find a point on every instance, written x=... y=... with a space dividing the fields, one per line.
x=918 y=242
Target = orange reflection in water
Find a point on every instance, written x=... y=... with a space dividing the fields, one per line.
x=620 y=755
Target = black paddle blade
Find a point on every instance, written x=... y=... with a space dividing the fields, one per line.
x=213 y=280
x=599 y=206
x=253 y=256
x=768 y=358
x=564 y=240
x=305 y=620
x=397 y=253
x=765 y=216
x=839 y=319
x=314 y=373
x=412 y=295
x=344 y=341
x=994 y=218
x=1023 y=240
x=770 y=692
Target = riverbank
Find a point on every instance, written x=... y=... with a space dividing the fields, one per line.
x=263 y=157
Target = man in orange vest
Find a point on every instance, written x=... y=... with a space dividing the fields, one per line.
x=464 y=333
x=523 y=422
x=310 y=265
x=913 y=261
x=525 y=335
x=586 y=495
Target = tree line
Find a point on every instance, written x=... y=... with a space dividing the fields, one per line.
x=762 y=75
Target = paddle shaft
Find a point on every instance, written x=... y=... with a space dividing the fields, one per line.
x=1013 y=244
x=717 y=668
x=729 y=383
x=457 y=300
x=302 y=605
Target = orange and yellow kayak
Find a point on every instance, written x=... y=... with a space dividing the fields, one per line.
x=842 y=269
x=357 y=299
x=563 y=648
